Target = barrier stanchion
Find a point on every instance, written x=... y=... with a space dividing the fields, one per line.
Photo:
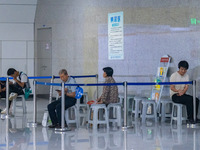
x=97 y=86
x=34 y=123
x=194 y=103
x=125 y=106
x=7 y=134
x=62 y=129
x=51 y=90
x=7 y=96
x=194 y=100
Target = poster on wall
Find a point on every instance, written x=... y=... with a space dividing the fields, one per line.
x=115 y=36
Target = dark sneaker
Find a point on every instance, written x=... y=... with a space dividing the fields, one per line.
x=190 y=121
x=52 y=126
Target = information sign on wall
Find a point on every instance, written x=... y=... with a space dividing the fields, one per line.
x=115 y=36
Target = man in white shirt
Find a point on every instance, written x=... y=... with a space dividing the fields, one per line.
x=54 y=108
x=178 y=91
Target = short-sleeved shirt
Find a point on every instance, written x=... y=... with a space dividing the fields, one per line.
x=23 y=77
x=70 y=89
x=176 y=77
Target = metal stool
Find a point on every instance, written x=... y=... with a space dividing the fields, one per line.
x=178 y=113
x=23 y=106
x=100 y=115
x=145 y=104
x=114 y=113
x=71 y=116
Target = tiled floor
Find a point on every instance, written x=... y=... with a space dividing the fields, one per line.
x=15 y=135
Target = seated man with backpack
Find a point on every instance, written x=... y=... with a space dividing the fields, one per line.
x=18 y=87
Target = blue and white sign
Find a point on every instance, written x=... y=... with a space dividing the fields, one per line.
x=115 y=36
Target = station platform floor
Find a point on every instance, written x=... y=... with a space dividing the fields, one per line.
x=15 y=135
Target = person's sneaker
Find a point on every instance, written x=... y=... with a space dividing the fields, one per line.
x=3 y=111
x=12 y=130
x=53 y=126
x=13 y=96
x=190 y=121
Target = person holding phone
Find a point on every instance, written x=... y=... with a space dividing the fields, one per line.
x=54 y=108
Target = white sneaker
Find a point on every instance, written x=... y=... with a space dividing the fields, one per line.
x=12 y=130
x=3 y=111
x=13 y=96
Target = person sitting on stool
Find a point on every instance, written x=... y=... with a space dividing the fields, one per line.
x=20 y=82
x=54 y=108
x=110 y=93
x=178 y=91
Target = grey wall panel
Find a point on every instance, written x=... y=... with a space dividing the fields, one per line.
x=17 y=13
x=16 y=31
x=18 y=2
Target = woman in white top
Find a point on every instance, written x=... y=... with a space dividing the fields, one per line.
x=178 y=91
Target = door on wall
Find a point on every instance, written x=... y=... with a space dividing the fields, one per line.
x=44 y=57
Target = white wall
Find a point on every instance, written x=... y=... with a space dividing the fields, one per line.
x=17 y=35
x=143 y=48
x=75 y=32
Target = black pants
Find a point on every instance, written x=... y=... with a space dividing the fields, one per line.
x=3 y=94
x=188 y=101
x=55 y=109
x=15 y=88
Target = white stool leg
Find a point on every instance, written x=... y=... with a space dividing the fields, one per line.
x=76 y=117
x=89 y=117
x=136 y=109
x=106 y=118
x=67 y=116
x=23 y=104
x=119 y=123
x=163 y=112
x=154 y=111
x=14 y=106
x=179 y=112
x=172 y=116
x=144 y=111
x=95 y=118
